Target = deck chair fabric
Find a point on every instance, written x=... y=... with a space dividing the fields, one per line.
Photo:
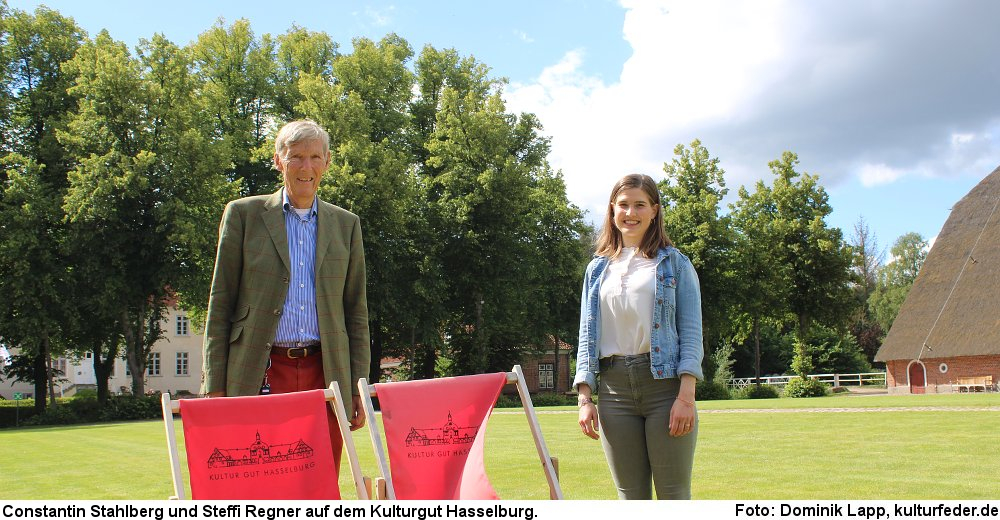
x=260 y=447
x=434 y=431
x=435 y=435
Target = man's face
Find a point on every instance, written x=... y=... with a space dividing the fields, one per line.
x=302 y=168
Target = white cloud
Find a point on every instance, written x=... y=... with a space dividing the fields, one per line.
x=876 y=174
x=601 y=132
x=875 y=91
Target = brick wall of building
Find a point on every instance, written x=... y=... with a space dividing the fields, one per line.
x=939 y=380
x=529 y=365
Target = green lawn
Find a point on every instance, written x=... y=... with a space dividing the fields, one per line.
x=885 y=454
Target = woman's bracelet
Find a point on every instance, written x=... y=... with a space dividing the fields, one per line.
x=685 y=401
x=582 y=400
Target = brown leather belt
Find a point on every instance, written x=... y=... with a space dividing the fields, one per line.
x=296 y=352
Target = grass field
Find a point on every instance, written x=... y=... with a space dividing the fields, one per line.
x=884 y=447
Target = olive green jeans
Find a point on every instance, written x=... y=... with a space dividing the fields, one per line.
x=634 y=414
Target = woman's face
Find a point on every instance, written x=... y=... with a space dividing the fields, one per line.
x=634 y=213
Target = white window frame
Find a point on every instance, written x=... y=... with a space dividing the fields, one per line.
x=546 y=378
x=153 y=369
x=182 y=325
x=181 y=364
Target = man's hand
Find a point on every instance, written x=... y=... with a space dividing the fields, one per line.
x=357 y=416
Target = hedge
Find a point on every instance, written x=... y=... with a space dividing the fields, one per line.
x=81 y=409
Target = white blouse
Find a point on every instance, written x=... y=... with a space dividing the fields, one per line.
x=627 y=304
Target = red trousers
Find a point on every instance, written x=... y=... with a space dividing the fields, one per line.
x=293 y=375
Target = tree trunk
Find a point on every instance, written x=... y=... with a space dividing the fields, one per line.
x=50 y=378
x=102 y=369
x=424 y=365
x=133 y=328
x=480 y=356
x=556 y=382
x=803 y=326
x=41 y=382
x=756 y=350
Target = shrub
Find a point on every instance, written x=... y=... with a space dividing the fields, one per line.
x=508 y=401
x=551 y=399
x=60 y=414
x=722 y=357
x=85 y=392
x=758 y=392
x=129 y=408
x=805 y=387
x=13 y=413
x=86 y=407
x=712 y=391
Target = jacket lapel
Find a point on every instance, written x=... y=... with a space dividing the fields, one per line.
x=274 y=220
x=326 y=227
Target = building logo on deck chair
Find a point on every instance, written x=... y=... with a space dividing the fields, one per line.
x=450 y=433
x=258 y=453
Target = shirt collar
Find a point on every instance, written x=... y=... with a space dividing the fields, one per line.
x=287 y=206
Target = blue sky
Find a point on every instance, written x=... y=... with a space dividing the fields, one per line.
x=893 y=103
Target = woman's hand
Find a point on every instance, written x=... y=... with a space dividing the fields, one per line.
x=682 y=413
x=589 y=422
x=682 y=417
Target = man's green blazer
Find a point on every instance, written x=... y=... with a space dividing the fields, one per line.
x=250 y=284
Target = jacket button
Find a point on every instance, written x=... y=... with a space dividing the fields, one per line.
x=268 y=345
x=659 y=301
x=656 y=325
x=656 y=349
x=277 y=312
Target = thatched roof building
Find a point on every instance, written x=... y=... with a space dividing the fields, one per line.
x=949 y=326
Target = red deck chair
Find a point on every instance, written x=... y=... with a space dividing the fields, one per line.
x=260 y=447
x=435 y=433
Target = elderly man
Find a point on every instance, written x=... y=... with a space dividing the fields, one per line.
x=288 y=309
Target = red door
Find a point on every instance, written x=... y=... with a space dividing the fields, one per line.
x=917 y=383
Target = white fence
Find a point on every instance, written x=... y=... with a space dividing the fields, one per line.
x=867 y=378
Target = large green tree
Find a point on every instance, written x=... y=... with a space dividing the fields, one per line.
x=436 y=71
x=35 y=105
x=560 y=260
x=818 y=260
x=147 y=179
x=487 y=167
x=897 y=277
x=238 y=73
x=365 y=111
x=300 y=52
x=762 y=278
x=692 y=192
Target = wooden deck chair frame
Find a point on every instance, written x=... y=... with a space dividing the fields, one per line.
x=332 y=394
x=514 y=377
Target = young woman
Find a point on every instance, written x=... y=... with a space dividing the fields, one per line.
x=640 y=329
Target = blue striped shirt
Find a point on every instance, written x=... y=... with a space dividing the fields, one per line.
x=298 y=320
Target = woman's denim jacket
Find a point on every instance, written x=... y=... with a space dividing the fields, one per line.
x=675 y=346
